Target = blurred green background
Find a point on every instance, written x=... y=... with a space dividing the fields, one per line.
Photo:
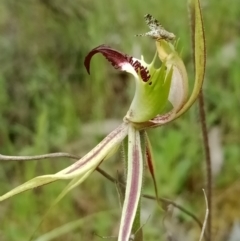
x=48 y=103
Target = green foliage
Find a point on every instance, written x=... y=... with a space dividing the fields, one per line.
x=46 y=98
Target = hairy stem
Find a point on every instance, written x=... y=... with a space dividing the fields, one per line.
x=207 y=162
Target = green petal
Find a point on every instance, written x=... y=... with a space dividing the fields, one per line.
x=199 y=52
x=179 y=84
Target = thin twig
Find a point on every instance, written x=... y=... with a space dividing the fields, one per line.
x=102 y=172
x=169 y=202
x=207 y=162
x=163 y=200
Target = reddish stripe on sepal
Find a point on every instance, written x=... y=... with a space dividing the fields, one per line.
x=133 y=184
x=149 y=160
x=149 y=157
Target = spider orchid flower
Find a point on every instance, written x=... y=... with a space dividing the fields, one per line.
x=154 y=89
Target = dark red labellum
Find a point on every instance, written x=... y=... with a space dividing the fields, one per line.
x=117 y=59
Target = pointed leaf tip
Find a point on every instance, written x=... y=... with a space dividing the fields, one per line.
x=116 y=58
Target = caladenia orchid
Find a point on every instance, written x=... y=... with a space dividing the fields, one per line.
x=155 y=88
